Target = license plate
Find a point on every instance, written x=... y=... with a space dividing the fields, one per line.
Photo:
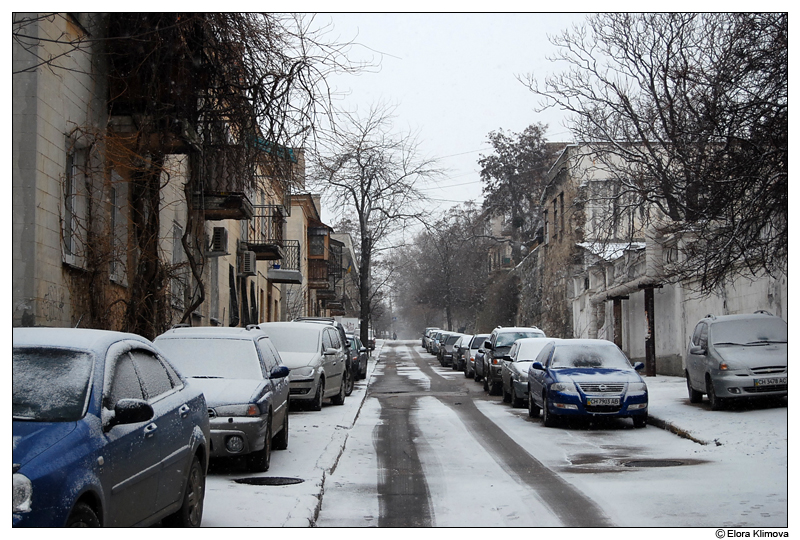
x=600 y=401
x=772 y=381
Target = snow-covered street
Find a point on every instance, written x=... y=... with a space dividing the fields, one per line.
x=483 y=463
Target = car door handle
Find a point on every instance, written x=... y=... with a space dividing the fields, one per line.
x=150 y=430
x=184 y=410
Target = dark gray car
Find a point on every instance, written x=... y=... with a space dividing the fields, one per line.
x=245 y=384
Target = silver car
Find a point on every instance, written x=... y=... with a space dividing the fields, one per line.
x=514 y=369
x=471 y=354
x=737 y=356
x=317 y=359
x=245 y=385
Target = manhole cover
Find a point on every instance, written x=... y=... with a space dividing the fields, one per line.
x=654 y=463
x=268 y=481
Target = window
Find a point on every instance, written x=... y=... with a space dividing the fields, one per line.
x=316 y=245
x=555 y=218
x=546 y=228
x=152 y=373
x=118 y=230
x=561 y=215
x=177 y=285
x=126 y=382
x=74 y=211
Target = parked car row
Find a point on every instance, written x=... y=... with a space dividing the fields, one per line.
x=110 y=429
x=728 y=357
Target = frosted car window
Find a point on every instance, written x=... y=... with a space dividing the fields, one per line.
x=589 y=356
x=63 y=398
x=750 y=331
x=267 y=354
x=529 y=349
x=213 y=357
x=294 y=339
x=326 y=340
x=125 y=382
x=152 y=373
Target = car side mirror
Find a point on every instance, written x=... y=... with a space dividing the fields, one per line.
x=697 y=350
x=130 y=411
x=638 y=366
x=537 y=365
x=481 y=350
x=362 y=349
x=279 y=372
x=507 y=358
x=330 y=351
x=487 y=345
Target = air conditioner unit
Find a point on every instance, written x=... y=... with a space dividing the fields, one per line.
x=247 y=263
x=219 y=242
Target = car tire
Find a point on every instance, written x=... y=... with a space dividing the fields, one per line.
x=533 y=408
x=548 y=419
x=694 y=395
x=338 y=399
x=190 y=513
x=476 y=377
x=468 y=374
x=82 y=516
x=316 y=404
x=717 y=403
x=506 y=395
x=281 y=440
x=258 y=461
x=516 y=402
x=350 y=382
x=496 y=388
x=640 y=421
x=485 y=384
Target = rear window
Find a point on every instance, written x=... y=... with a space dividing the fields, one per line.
x=50 y=384
x=213 y=357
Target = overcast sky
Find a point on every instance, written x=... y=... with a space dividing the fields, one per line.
x=453 y=79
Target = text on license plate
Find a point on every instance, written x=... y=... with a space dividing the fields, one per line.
x=772 y=381
x=594 y=401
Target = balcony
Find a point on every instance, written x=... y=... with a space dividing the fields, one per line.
x=225 y=178
x=265 y=235
x=287 y=268
x=317 y=274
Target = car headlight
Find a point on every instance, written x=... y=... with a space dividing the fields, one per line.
x=22 y=493
x=566 y=387
x=637 y=388
x=306 y=372
x=248 y=409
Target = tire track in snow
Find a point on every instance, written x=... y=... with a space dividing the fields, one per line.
x=565 y=501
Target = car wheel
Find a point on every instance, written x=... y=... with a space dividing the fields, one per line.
x=506 y=395
x=516 y=402
x=258 y=461
x=338 y=399
x=350 y=382
x=316 y=405
x=495 y=389
x=281 y=440
x=548 y=419
x=82 y=516
x=191 y=511
x=640 y=421
x=717 y=403
x=485 y=384
x=533 y=408
x=476 y=377
x=694 y=395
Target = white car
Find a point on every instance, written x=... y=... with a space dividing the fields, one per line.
x=317 y=360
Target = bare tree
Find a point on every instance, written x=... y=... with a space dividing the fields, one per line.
x=689 y=115
x=367 y=169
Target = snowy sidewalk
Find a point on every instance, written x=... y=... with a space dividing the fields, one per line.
x=753 y=427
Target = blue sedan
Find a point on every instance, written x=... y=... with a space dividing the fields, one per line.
x=585 y=377
x=104 y=432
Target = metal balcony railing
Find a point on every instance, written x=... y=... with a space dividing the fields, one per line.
x=291 y=255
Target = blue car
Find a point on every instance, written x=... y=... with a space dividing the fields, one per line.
x=585 y=377
x=105 y=432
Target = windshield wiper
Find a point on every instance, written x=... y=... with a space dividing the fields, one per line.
x=206 y=377
x=765 y=342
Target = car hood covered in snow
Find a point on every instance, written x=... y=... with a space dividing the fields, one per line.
x=596 y=375
x=754 y=356
x=229 y=391
x=294 y=360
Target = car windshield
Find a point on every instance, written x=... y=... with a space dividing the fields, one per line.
x=294 y=339
x=589 y=356
x=506 y=339
x=529 y=350
x=749 y=331
x=50 y=384
x=213 y=357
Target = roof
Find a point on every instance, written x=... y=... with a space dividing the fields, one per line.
x=73 y=338
x=212 y=332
